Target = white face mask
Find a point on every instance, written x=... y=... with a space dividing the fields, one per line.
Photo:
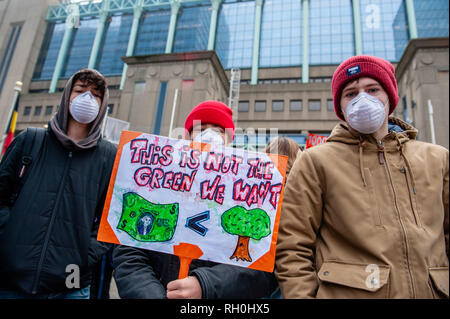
x=209 y=136
x=365 y=113
x=84 y=108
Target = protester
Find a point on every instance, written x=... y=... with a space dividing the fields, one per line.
x=287 y=147
x=284 y=146
x=142 y=273
x=48 y=241
x=365 y=215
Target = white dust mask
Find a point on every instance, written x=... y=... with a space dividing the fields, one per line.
x=209 y=136
x=365 y=113
x=84 y=108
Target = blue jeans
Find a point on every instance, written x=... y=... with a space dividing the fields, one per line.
x=83 y=293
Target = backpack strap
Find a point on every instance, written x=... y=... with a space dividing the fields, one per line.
x=34 y=138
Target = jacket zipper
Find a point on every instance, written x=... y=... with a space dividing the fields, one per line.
x=50 y=226
x=405 y=241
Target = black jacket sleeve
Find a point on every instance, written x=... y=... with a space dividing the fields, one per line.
x=134 y=275
x=234 y=282
x=9 y=168
x=98 y=249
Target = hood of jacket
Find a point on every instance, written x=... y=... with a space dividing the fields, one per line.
x=60 y=120
x=341 y=133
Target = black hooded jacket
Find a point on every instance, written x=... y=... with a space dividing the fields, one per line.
x=52 y=227
x=144 y=274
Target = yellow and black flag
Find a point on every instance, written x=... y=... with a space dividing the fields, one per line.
x=11 y=128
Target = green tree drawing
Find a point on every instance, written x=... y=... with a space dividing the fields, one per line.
x=246 y=224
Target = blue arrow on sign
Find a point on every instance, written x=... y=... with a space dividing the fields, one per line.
x=193 y=223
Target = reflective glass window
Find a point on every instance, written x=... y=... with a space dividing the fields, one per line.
x=330 y=105
x=48 y=110
x=281 y=34
x=384 y=28
x=431 y=18
x=153 y=30
x=260 y=106
x=330 y=31
x=37 y=110
x=314 y=105
x=27 y=111
x=192 y=32
x=278 y=106
x=234 y=37
x=243 y=106
x=295 y=105
x=80 y=49
x=115 y=44
x=48 y=55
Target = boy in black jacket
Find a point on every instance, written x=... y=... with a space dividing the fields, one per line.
x=48 y=234
x=147 y=274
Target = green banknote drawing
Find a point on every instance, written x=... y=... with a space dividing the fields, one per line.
x=148 y=222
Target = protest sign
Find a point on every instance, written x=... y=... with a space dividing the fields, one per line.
x=194 y=200
x=314 y=139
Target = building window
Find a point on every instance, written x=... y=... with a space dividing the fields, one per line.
x=278 y=106
x=384 y=28
x=405 y=110
x=27 y=111
x=48 y=110
x=331 y=35
x=243 y=106
x=160 y=108
x=49 y=51
x=281 y=34
x=9 y=52
x=234 y=37
x=153 y=31
x=314 y=105
x=431 y=18
x=37 y=110
x=115 y=44
x=260 y=106
x=80 y=49
x=295 y=105
x=330 y=105
x=192 y=32
x=110 y=108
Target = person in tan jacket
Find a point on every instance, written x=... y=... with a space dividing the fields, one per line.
x=365 y=215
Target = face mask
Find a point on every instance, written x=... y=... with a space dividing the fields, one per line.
x=365 y=113
x=209 y=136
x=84 y=108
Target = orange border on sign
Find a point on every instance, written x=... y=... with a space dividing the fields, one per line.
x=105 y=232
x=267 y=261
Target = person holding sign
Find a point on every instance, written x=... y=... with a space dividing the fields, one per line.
x=141 y=273
x=49 y=225
x=365 y=215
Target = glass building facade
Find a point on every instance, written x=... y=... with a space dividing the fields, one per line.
x=384 y=30
x=331 y=31
x=234 y=38
x=115 y=44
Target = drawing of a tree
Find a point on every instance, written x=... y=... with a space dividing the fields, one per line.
x=246 y=224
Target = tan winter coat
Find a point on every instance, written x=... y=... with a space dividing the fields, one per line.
x=361 y=220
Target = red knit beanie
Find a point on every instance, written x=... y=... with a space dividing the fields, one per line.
x=211 y=112
x=364 y=66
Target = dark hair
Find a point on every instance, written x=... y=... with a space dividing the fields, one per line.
x=91 y=77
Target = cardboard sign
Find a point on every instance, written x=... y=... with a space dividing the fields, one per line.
x=314 y=139
x=195 y=201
